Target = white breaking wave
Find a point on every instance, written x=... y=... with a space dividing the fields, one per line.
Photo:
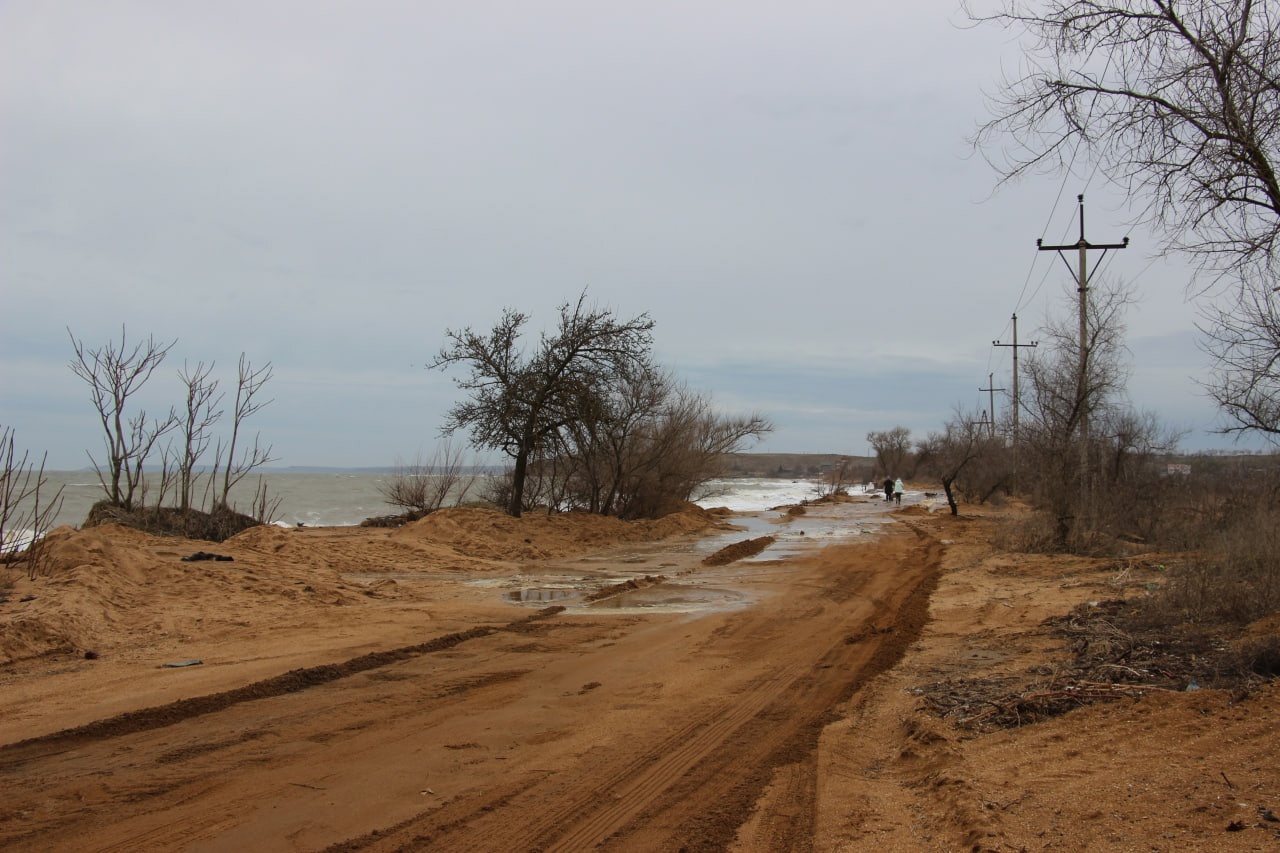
x=753 y=494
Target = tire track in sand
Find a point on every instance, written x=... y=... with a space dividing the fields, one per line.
x=162 y=716
x=693 y=788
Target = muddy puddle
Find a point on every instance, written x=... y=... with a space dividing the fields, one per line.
x=685 y=586
x=672 y=598
x=669 y=577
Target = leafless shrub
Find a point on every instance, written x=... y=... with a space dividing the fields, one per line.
x=265 y=507
x=675 y=450
x=115 y=373
x=423 y=487
x=27 y=509
x=497 y=489
x=1235 y=576
x=837 y=479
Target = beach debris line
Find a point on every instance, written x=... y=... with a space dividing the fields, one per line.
x=626 y=586
x=1113 y=655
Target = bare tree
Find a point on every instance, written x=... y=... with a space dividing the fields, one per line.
x=518 y=404
x=963 y=441
x=1179 y=104
x=115 y=373
x=249 y=385
x=1066 y=386
x=1055 y=448
x=662 y=461
x=892 y=449
x=1088 y=482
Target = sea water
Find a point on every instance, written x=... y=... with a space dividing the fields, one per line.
x=338 y=498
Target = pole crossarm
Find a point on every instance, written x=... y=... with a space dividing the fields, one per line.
x=1082 y=245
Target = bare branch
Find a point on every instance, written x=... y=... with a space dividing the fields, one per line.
x=1176 y=103
x=249 y=385
x=27 y=509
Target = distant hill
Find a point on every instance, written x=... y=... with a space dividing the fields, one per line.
x=789 y=464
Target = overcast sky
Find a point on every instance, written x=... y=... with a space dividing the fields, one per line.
x=785 y=188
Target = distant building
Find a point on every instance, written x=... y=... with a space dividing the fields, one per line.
x=1176 y=469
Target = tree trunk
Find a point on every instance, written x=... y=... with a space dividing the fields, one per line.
x=518 y=473
x=951 y=498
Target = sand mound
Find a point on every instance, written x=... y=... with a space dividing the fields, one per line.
x=264 y=537
x=93 y=577
x=489 y=534
x=109 y=548
x=115 y=587
x=691 y=518
x=110 y=588
x=738 y=551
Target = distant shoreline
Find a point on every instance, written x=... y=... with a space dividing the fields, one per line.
x=737 y=465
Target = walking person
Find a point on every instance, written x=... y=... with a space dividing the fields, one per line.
x=897 y=491
x=888 y=488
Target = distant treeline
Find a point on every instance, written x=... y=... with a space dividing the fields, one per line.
x=859 y=468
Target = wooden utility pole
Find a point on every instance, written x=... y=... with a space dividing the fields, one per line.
x=992 y=389
x=1017 y=403
x=1082 y=288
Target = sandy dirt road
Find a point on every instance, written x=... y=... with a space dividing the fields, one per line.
x=524 y=728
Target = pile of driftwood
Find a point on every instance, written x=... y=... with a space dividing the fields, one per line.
x=977 y=706
x=1113 y=655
